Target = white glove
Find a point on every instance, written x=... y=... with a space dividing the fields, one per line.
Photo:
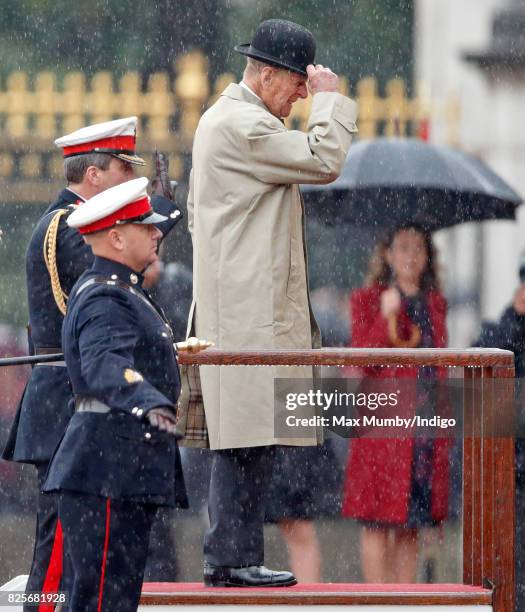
x=193 y=345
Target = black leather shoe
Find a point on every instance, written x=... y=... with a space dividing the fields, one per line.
x=252 y=576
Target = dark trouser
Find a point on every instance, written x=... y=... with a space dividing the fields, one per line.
x=236 y=504
x=107 y=542
x=162 y=560
x=45 y=575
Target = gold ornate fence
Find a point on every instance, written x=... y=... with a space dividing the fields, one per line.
x=36 y=110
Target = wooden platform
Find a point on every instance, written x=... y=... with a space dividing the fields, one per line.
x=195 y=593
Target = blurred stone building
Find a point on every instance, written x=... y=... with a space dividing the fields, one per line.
x=473 y=52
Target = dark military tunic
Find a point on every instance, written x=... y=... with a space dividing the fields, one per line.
x=112 y=468
x=44 y=410
x=119 y=351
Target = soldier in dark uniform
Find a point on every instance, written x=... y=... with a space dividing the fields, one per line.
x=118 y=460
x=96 y=157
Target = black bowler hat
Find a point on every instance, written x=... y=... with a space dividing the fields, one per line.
x=281 y=43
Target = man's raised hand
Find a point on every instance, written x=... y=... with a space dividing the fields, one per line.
x=321 y=79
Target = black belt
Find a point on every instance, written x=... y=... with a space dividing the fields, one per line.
x=46 y=350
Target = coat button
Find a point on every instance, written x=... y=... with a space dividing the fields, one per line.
x=140 y=412
x=147 y=435
x=134 y=278
x=134 y=410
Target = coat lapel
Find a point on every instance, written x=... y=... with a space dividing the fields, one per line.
x=237 y=92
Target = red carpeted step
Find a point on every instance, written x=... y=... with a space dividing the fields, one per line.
x=178 y=593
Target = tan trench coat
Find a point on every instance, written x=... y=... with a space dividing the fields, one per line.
x=246 y=217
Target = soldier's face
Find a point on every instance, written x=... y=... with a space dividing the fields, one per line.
x=139 y=245
x=116 y=173
x=281 y=88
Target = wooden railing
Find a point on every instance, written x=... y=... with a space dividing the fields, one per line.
x=488 y=471
x=471 y=358
x=34 y=110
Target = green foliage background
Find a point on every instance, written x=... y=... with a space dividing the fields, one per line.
x=355 y=38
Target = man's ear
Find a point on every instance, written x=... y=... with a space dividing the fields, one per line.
x=267 y=73
x=116 y=239
x=93 y=175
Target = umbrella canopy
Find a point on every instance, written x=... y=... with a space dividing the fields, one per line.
x=393 y=181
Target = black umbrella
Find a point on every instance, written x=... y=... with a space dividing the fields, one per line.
x=392 y=181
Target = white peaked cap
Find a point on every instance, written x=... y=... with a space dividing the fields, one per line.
x=116 y=138
x=125 y=203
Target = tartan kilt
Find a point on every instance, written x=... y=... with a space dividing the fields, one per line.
x=190 y=409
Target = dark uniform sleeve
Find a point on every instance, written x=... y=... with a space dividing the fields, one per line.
x=108 y=332
x=169 y=209
x=74 y=256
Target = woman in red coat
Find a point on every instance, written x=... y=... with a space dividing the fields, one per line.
x=396 y=486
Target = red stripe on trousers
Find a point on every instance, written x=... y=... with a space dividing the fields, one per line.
x=54 y=569
x=105 y=555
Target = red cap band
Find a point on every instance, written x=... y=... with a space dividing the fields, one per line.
x=131 y=210
x=119 y=143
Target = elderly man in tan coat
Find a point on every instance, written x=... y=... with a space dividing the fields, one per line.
x=246 y=218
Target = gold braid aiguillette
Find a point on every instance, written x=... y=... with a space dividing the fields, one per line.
x=50 y=257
